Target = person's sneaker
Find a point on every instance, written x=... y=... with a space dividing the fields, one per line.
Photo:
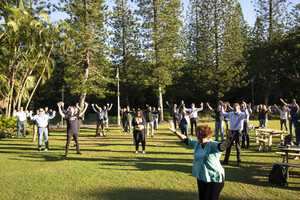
x=238 y=164
x=40 y=149
x=79 y=153
x=144 y=152
x=136 y=152
x=67 y=155
x=46 y=149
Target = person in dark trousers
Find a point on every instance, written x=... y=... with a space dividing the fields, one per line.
x=283 y=116
x=72 y=125
x=194 y=115
x=236 y=126
x=139 y=134
x=206 y=165
x=173 y=109
x=245 y=131
x=100 y=120
x=123 y=118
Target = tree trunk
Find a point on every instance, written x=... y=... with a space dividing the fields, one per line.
x=35 y=87
x=160 y=104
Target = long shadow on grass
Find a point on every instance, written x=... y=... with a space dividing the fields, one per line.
x=256 y=174
x=145 y=194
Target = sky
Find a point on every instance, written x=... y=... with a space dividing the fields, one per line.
x=247 y=7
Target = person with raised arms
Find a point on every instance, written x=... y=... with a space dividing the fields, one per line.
x=41 y=121
x=173 y=109
x=283 y=116
x=294 y=112
x=194 y=115
x=106 y=109
x=206 y=165
x=100 y=120
x=236 y=126
x=73 y=127
x=219 y=122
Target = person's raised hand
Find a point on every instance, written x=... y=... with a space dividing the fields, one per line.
x=93 y=104
x=201 y=104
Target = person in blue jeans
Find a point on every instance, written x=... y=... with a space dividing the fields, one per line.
x=219 y=122
x=294 y=112
x=21 y=116
x=41 y=121
x=183 y=121
x=263 y=111
x=206 y=165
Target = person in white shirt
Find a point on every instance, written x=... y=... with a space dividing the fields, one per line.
x=194 y=115
x=283 y=116
x=22 y=116
x=41 y=121
x=236 y=126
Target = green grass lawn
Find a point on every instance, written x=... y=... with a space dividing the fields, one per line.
x=109 y=169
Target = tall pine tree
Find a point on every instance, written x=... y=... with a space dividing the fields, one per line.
x=216 y=34
x=161 y=40
x=87 y=70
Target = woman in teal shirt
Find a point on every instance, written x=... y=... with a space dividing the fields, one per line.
x=206 y=165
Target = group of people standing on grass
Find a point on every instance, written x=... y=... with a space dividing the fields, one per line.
x=207 y=167
x=41 y=124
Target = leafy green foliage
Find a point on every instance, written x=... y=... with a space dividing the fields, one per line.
x=8 y=126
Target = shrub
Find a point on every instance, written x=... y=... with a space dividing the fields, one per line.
x=8 y=125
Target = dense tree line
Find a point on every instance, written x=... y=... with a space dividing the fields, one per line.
x=161 y=51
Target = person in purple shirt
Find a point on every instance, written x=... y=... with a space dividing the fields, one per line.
x=236 y=126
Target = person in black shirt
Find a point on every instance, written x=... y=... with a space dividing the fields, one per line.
x=139 y=134
x=173 y=110
x=219 y=122
x=72 y=125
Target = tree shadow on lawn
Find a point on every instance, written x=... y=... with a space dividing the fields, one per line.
x=145 y=194
x=139 y=194
x=256 y=174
